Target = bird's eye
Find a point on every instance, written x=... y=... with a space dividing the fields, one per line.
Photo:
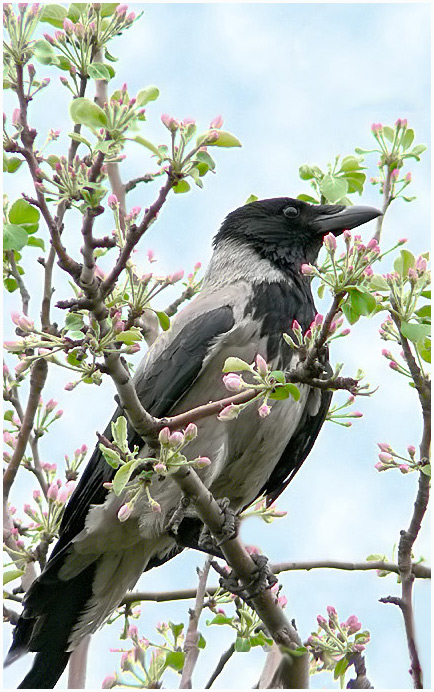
x=291 y=212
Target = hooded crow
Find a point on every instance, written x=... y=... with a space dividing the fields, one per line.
x=252 y=291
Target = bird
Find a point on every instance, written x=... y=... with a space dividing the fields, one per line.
x=253 y=290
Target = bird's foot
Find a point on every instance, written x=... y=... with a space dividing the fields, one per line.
x=228 y=529
x=262 y=578
x=178 y=516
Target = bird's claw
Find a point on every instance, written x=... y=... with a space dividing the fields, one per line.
x=262 y=578
x=228 y=529
x=178 y=515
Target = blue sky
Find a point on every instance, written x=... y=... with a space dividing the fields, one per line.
x=297 y=83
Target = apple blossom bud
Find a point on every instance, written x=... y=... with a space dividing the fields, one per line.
x=385 y=447
x=318 y=320
x=376 y=128
x=307 y=269
x=68 y=25
x=393 y=365
x=50 y=405
x=160 y=468
x=176 y=439
x=368 y=272
x=190 y=432
x=202 y=462
x=233 y=382
x=411 y=450
x=394 y=174
x=109 y=682
x=380 y=467
x=164 y=436
x=353 y=624
x=197 y=266
x=112 y=201
x=412 y=275
x=52 y=491
x=177 y=276
x=331 y=611
x=421 y=264
x=134 y=348
x=216 y=123
x=169 y=122
x=131 y=17
x=229 y=412
x=261 y=365
x=121 y=10
x=404 y=468
x=322 y=622
x=264 y=410
x=69 y=386
x=329 y=241
x=124 y=512
x=385 y=457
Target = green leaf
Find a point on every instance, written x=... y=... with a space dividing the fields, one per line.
x=86 y=112
x=340 y=668
x=14 y=237
x=36 y=242
x=23 y=214
x=350 y=163
x=389 y=133
x=75 y=11
x=163 y=320
x=98 y=70
x=426 y=470
x=417 y=150
x=286 y=391
x=76 y=335
x=424 y=311
x=122 y=476
x=77 y=138
x=109 y=56
x=220 y=619
x=278 y=375
x=333 y=188
x=362 y=302
x=176 y=629
x=235 y=365
x=146 y=143
x=10 y=285
x=11 y=163
x=364 y=151
x=44 y=52
x=181 y=187
x=104 y=146
x=119 y=432
x=242 y=645
x=321 y=290
x=375 y=557
x=54 y=15
x=378 y=283
x=407 y=139
x=201 y=644
x=111 y=457
x=52 y=160
x=151 y=93
x=130 y=336
x=404 y=262
x=306 y=172
x=415 y=331
x=204 y=157
x=175 y=660
x=355 y=182
x=307 y=198
x=349 y=312
x=260 y=639
x=108 y=8
x=11 y=575
x=250 y=199
x=408 y=199
x=225 y=139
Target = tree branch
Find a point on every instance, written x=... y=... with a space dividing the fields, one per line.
x=224 y=658
x=191 y=648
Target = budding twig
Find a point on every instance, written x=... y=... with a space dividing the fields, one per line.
x=192 y=635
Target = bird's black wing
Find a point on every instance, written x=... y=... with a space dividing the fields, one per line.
x=159 y=387
x=298 y=447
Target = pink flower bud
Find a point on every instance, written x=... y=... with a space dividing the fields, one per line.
x=202 y=462
x=124 y=512
x=160 y=468
x=68 y=25
x=331 y=611
x=190 y=432
x=69 y=386
x=177 y=276
x=133 y=632
x=52 y=491
x=329 y=241
x=421 y=264
x=169 y=122
x=393 y=365
x=385 y=457
x=216 y=123
x=295 y=326
x=121 y=10
x=359 y=647
x=21 y=367
x=261 y=365
x=212 y=137
x=50 y=405
x=197 y=266
x=412 y=275
x=385 y=447
x=317 y=322
x=411 y=450
x=264 y=410
x=404 y=468
x=164 y=436
x=176 y=439
x=369 y=271
x=112 y=201
x=379 y=466
x=408 y=177
x=9 y=439
x=387 y=354
x=109 y=682
x=394 y=174
x=321 y=620
x=353 y=624
x=229 y=412
x=307 y=269
x=376 y=128
x=131 y=17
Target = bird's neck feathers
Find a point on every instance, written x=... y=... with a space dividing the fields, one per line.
x=234 y=261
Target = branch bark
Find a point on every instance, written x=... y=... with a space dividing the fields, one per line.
x=192 y=636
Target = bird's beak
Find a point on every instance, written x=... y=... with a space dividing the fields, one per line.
x=342 y=219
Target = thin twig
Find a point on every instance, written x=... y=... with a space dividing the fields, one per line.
x=191 y=648
x=224 y=658
x=25 y=295
x=361 y=681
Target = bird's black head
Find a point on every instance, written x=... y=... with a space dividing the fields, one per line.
x=287 y=231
